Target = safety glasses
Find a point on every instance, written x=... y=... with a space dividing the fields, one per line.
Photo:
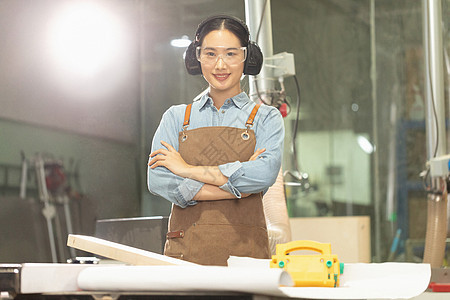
x=229 y=55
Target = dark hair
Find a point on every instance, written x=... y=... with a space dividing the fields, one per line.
x=231 y=24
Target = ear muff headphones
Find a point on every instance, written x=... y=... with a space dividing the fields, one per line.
x=252 y=65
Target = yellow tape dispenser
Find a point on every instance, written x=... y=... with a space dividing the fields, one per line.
x=320 y=270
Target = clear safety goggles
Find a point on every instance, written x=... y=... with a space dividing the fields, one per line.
x=229 y=55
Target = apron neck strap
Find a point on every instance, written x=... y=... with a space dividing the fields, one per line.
x=187 y=115
x=252 y=115
x=249 y=123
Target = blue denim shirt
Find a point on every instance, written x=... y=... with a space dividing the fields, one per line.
x=246 y=177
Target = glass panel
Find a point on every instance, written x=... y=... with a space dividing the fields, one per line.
x=331 y=41
x=401 y=127
x=361 y=72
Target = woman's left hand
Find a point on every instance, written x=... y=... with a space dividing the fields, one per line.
x=257 y=153
x=170 y=159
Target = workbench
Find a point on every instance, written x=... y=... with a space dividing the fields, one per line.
x=145 y=275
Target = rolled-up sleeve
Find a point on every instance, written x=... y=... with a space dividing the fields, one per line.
x=231 y=170
x=160 y=180
x=258 y=175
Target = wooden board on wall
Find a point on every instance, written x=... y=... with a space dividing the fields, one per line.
x=349 y=236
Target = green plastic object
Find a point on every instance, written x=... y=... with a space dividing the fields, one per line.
x=281 y=264
x=341 y=268
x=329 y=263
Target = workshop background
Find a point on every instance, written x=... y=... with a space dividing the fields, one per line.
x=360 y=68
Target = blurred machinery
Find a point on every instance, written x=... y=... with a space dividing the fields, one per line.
x=263 y=89
x=437 y=218
x=437 y=173
x=53 y=191
x=437 y=222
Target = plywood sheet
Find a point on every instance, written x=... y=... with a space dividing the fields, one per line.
x=123 y=253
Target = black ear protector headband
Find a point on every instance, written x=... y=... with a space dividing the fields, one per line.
x=252 y=65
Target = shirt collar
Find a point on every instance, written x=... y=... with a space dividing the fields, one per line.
x=239 y=100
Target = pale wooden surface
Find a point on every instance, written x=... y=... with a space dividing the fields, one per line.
x=349 y=236
x=123 y=253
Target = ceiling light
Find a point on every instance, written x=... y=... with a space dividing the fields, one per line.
x=182 y=42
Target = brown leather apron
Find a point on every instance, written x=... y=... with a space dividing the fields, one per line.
x=210 y=231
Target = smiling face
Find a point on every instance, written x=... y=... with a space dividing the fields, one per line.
x=223 y=79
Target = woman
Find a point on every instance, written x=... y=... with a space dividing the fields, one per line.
x=214 y=158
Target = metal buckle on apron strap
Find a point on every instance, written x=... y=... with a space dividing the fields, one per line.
x=245 y=136
x=184 y=137
x=175 y=234
x=187 y=116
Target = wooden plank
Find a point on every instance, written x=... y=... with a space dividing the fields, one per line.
x=123 y=253
x=349 y=236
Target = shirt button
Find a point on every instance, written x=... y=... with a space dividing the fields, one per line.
x=223 y=111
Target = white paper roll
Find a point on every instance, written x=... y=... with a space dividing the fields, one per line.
x=184 y=278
